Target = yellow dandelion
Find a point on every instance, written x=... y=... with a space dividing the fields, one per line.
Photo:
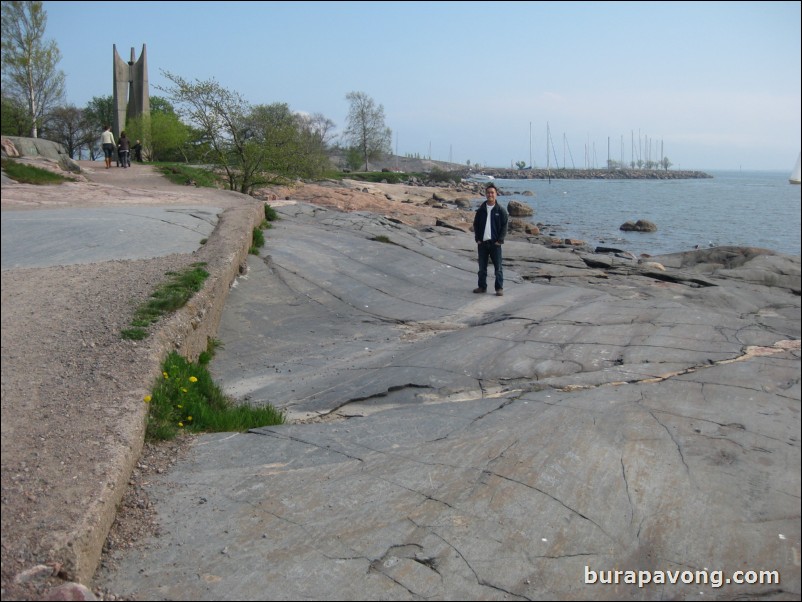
x=147 y=398
x=179 y=407
x=181 y=424
x=189 y=418
x=192 y=379
x=183 y=389
x=165 y=375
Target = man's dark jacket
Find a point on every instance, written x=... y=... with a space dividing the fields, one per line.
x=498 y=223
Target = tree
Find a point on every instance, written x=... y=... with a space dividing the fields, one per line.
x=14 y=119
x=520 y=164
x=353 y=158
x=251 y=145
x=220 y=115
x=289 y=144
x=68 y=126
x=29 y=64
x=315 y=132
x=100 y=112
x=366 y=129
x=162 y=133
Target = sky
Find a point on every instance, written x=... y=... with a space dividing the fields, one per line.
x=715 y=85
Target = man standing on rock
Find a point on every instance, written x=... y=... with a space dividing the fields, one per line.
x=489 y=230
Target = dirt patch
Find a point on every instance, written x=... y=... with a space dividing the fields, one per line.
x=416 y=206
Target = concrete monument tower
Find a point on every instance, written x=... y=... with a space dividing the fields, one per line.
x=131 y=96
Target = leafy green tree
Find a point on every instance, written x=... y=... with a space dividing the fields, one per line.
x=287 y=144
x=366 y=128
x=162 y=133
x=353 y=158
x=251 y=145
x=14 y=119
x=163 y=136
x=220 y=115
x=100 y=112
x=520 y=164
x=28 y=63
x=159 y=104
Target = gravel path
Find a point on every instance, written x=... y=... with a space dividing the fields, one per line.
x=72 y=389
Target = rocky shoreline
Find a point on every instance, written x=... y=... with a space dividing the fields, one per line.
x=445 y=204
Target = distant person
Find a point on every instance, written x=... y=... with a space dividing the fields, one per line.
x=107 y=143
x=124 y=150
x=137 y=151
x=489 y=231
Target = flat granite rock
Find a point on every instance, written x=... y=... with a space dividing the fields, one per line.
x=448 y=445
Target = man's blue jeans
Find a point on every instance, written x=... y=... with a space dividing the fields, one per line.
x=490 y=251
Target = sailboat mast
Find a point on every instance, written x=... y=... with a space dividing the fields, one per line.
x=548 y=163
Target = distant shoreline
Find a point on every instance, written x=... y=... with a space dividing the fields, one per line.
x=595 y=174
x=417 y=165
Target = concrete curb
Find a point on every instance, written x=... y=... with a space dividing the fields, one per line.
x=186 y=331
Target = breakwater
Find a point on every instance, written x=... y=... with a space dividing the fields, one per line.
x=595 y=174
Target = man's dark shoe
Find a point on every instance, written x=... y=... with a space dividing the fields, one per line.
x=480 y=290
x=499 y=292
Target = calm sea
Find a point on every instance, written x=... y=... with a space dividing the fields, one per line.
x=754 y=209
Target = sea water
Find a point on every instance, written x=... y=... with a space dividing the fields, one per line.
x=738 y=208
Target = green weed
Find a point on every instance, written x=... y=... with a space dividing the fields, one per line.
x=169 y=297
x=186 y=398
x=28 y=174
x=271 y=214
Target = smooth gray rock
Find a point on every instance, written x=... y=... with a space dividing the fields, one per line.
x=39 y=147
x=463 y=446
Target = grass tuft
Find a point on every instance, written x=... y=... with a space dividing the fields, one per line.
x=382 y=238
x=169 y=297
x=186 y=398
x=28 y=174
x=271 y=214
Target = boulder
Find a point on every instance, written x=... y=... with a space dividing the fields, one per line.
x=15 y=146
x=519 y=209
x=641 y=225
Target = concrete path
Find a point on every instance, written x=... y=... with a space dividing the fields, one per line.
x=447 y=445
x=87 y=235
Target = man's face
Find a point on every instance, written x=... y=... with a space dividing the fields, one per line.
x=490 y=194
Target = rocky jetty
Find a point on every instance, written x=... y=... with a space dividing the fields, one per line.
x=595 y=174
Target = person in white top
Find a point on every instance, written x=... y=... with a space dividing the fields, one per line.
x=107 y=142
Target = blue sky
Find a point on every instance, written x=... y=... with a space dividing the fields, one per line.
x=716 y=83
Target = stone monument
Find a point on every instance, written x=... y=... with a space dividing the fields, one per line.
x=131 y=96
